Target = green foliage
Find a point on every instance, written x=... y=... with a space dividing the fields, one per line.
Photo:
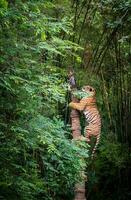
x=40 y=161
x=3 y=4
x=37 y=159
x=80 y=94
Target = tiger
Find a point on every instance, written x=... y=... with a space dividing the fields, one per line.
x=88 y=105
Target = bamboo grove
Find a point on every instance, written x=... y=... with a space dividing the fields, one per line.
x=39 y=41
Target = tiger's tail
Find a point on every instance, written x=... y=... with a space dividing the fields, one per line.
x=95 y=147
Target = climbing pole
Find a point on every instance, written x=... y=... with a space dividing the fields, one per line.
x=76 y=133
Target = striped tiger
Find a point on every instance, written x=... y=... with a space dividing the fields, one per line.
x=92 y=116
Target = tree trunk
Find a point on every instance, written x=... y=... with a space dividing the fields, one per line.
x=76 y=133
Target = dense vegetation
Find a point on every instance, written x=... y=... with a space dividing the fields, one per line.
x=39 y=40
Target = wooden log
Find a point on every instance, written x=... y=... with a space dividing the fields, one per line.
x=76 y=134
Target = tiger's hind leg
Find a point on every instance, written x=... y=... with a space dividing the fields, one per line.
x=87 y=134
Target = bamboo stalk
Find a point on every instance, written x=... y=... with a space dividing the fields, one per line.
x=88 y=7
x=106 y=99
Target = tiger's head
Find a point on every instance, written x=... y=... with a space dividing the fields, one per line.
x=88 y=89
